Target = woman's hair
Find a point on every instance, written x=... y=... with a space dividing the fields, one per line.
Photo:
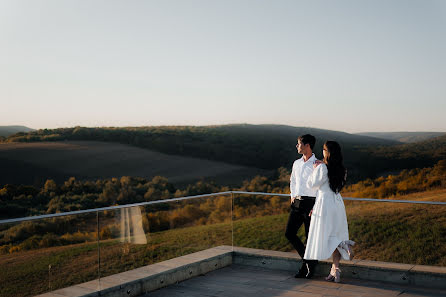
x=337 y=173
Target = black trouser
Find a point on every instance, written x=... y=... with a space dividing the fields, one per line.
x=299 y=214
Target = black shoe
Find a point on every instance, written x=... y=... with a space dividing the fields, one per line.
x=311 y=265
x=302 y=271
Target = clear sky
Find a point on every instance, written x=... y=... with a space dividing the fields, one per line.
x=352 y=66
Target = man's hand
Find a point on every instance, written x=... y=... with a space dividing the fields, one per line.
x=292 y=199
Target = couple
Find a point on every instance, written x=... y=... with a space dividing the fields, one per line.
x=315 y=198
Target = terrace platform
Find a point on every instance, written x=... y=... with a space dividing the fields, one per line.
x=240 y=280
x=234 y=271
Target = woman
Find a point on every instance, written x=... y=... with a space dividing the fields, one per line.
x=328 y=235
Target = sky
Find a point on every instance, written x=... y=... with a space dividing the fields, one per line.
x=350 y=66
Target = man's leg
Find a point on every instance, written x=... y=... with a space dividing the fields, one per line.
x=306 y=222
x=295 y=220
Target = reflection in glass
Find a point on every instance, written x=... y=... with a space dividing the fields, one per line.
x=144 y=235
x=131 y=226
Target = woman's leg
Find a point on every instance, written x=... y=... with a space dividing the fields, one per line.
x=332 y=273
x=330 y=277
x=336 y=258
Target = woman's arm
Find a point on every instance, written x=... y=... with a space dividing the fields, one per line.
x=319 y=176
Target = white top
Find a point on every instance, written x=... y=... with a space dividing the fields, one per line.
x=299 y=176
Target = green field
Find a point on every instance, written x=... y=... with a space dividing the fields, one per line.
x=383 y=231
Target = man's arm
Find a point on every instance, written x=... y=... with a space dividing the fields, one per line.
x=293 y=183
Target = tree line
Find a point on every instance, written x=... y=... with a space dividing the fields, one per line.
x=406 y=182
x=71 y=195
x=25 y=200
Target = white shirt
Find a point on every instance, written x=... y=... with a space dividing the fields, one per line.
x=299 y=176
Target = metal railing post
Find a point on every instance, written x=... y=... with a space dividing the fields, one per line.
x=99 y=250
x=232 y=218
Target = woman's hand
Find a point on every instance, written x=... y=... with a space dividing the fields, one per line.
x=311 y=211
x=317 y=163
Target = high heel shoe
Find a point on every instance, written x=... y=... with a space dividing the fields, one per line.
x=337 y=277
x=331 y=275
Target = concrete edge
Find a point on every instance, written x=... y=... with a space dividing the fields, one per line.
x=406 y=274
x=151 y=277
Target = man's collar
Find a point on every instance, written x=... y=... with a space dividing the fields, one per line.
x=312 y=156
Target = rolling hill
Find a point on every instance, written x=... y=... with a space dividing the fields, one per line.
x=417 y=152
x=404 y=137
x=34 y=163
x=258 y=147
x=261 y=146
x=6 y=131
x=392 y=159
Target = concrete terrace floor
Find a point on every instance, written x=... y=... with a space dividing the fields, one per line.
x=241 y=280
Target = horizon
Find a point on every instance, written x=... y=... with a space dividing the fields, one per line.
x=376 y=66
x=229 y=124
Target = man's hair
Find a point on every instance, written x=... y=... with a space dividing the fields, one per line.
x=307 y=139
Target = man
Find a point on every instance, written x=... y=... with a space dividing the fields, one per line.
x=302 y=201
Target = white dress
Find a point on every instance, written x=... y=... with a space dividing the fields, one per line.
x=328 y=227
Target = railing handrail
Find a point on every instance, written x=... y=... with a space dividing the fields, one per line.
x=351 y=198
x=70 y=213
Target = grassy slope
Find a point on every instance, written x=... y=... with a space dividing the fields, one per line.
x=383 y=231
x=390 y=232
x=400 y=233
x=28 y=273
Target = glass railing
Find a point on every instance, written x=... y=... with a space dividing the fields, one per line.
x=388 y=230
x=260 y=220
x=408 y=233
x=142 y=235
x=49 y=252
